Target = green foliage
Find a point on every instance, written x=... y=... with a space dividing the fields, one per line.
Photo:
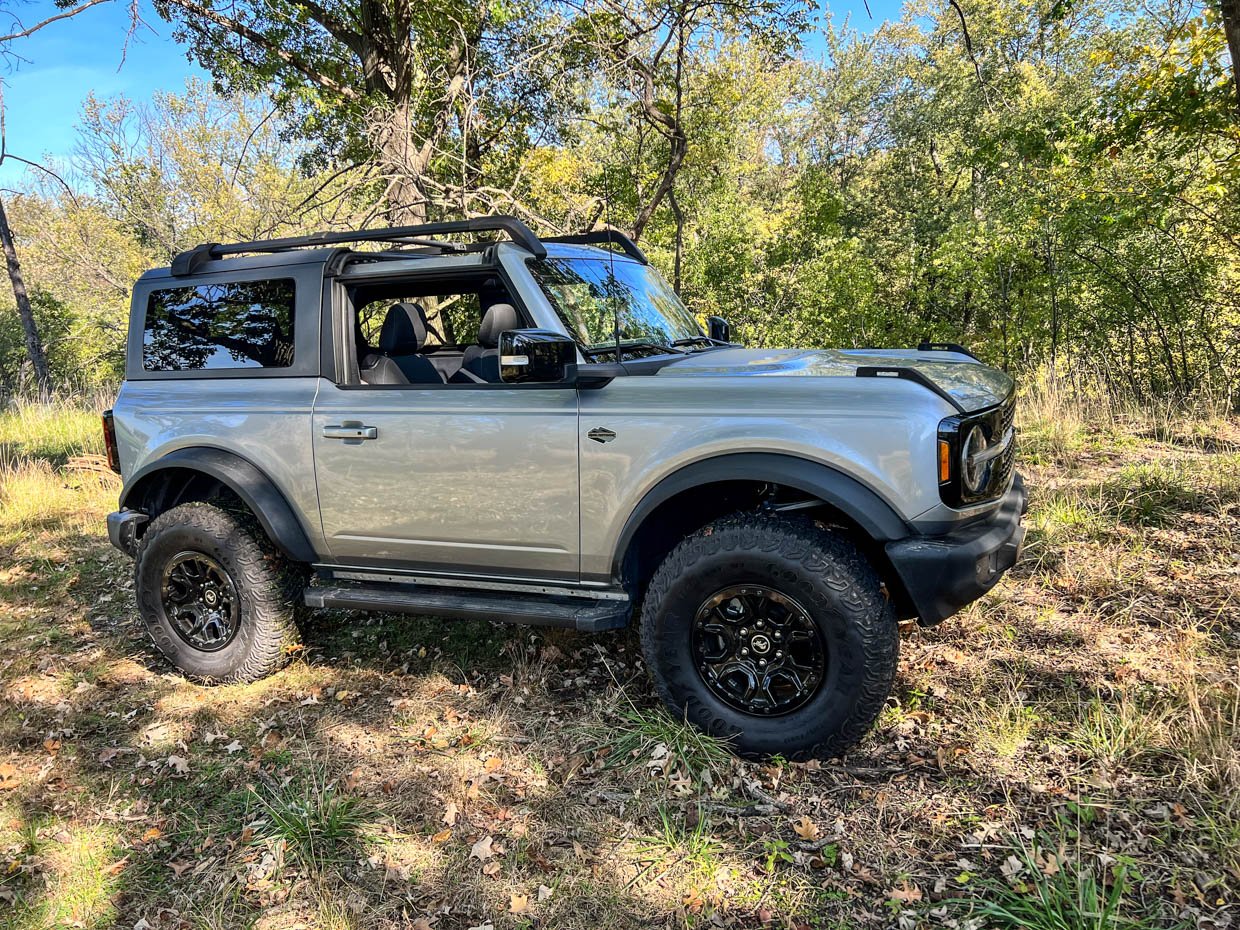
x=1058 y=192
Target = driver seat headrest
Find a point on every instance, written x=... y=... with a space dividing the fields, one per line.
x=498 y=319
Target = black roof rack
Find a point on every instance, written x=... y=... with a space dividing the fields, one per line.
x=186 y=263
x=604 y=237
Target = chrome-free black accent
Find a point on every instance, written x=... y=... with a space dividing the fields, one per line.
x=602 y=434
x=861 y=505
x=758 y=650
x=908 y=374
x=718 y=329
x=547 y=357
x=941 y=574
x=157 y=486
x=995 y=423
x=604 y=237
x=946 y=347
x=200 y=601
x=187 y=263
x=124 y=528
x=588 y=615
x=108 y=422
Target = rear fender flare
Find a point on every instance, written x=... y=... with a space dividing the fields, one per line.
x=243 y=478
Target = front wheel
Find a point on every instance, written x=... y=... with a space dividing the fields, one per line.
x=217 y=599
x=772 y=633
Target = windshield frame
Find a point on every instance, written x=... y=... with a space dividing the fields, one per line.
x=640 y=341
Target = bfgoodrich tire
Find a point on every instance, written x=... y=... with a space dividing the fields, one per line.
x=725 y=601
x=216 y=597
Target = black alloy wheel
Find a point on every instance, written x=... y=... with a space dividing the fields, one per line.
x=200 y=600
x=758 y=650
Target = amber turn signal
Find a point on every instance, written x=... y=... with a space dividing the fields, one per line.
x=945 y=461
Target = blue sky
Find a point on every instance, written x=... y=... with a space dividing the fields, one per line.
x=64 y=62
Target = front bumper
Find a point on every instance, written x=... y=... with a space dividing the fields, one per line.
x=941 y=574
x=123 y=528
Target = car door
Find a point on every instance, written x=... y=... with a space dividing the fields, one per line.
x=457 y=479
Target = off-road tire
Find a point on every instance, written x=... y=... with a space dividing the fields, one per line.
x=267 y=584
x=838 y=589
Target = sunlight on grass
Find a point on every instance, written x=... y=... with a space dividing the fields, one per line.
x=78 y=873
x=1003 y=727
x=53 y=431
x=1119 y=730
x=1052 y=890
x=642 y=738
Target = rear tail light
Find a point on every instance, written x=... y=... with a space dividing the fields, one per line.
x=109 y=442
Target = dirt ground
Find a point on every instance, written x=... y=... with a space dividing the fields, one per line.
x=1063 y=754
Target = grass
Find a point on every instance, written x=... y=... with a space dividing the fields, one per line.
x=1055 y=891
x=407 y=772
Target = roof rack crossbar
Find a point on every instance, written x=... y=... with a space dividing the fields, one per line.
x=605 y=237
x=186 y=263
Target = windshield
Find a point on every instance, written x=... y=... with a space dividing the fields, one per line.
x=591 y=294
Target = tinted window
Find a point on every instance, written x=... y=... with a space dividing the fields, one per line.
x=243 y=324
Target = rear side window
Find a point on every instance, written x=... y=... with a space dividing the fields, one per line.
x=242 y=324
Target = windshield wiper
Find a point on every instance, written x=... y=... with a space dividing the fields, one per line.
x=640 y=344
x=699 y=340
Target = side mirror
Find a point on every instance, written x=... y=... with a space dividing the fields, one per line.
x=718 y=329
x=536 y=356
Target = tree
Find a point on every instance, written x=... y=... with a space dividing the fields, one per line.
x=34 y=344
x=430 y=93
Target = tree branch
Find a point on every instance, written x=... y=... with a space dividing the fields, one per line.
x=74 y=11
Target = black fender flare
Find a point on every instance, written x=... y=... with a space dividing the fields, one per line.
x=244 y=479
x=871 y=513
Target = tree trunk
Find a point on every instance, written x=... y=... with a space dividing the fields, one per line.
x=1231 y=28
x=34 y=345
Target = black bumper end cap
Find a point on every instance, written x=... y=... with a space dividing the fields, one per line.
x=124 y=527
x=943 y=574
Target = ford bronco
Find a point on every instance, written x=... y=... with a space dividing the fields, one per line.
x=442 y=420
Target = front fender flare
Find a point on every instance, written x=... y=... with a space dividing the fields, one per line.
x=871 y=513
x=243 y=478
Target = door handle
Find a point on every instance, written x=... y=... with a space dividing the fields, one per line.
x=353 y=431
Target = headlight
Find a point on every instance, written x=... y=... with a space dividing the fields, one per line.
x=974 y=467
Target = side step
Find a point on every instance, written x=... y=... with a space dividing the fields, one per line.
x=589 y=615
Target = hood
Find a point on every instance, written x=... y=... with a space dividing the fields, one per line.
x=971 y=384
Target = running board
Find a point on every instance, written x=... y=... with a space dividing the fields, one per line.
x=589 y=615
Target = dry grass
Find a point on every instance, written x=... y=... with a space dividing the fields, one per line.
x=1064 y=752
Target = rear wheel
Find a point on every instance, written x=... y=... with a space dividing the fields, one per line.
x=217 y=598
x=774 y=634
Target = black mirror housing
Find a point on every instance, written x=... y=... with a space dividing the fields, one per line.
x=718 y=329
x=536 y=356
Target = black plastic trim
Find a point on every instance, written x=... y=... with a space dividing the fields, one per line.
x=187 y=263
x=863 y=506
x=941 y=574
x=255 y=489
x=907 y=374
x=946 y=347
x=604 y=237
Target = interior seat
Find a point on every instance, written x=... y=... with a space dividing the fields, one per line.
x=400 y=343
x=480 y=363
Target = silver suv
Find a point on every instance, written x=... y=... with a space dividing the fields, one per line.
x=538 y=431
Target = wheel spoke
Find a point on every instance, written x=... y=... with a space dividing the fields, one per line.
x=200 y=601
x=758 y=650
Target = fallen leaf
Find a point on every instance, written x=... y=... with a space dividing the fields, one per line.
x=483 y=849
x=805 y=828
x=108 y=754
x=179 y=868
x=544 y=892
x=906 y=893
x=518 y=904
x=442 y=836
x=152 y=834
x=450 y=813
x=8 y=776
x=179 y=764
x=491 y=868
x=492 y=764
x=232 y=747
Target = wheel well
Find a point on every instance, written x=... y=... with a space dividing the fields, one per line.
x=688 y=511
x=169 y=487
